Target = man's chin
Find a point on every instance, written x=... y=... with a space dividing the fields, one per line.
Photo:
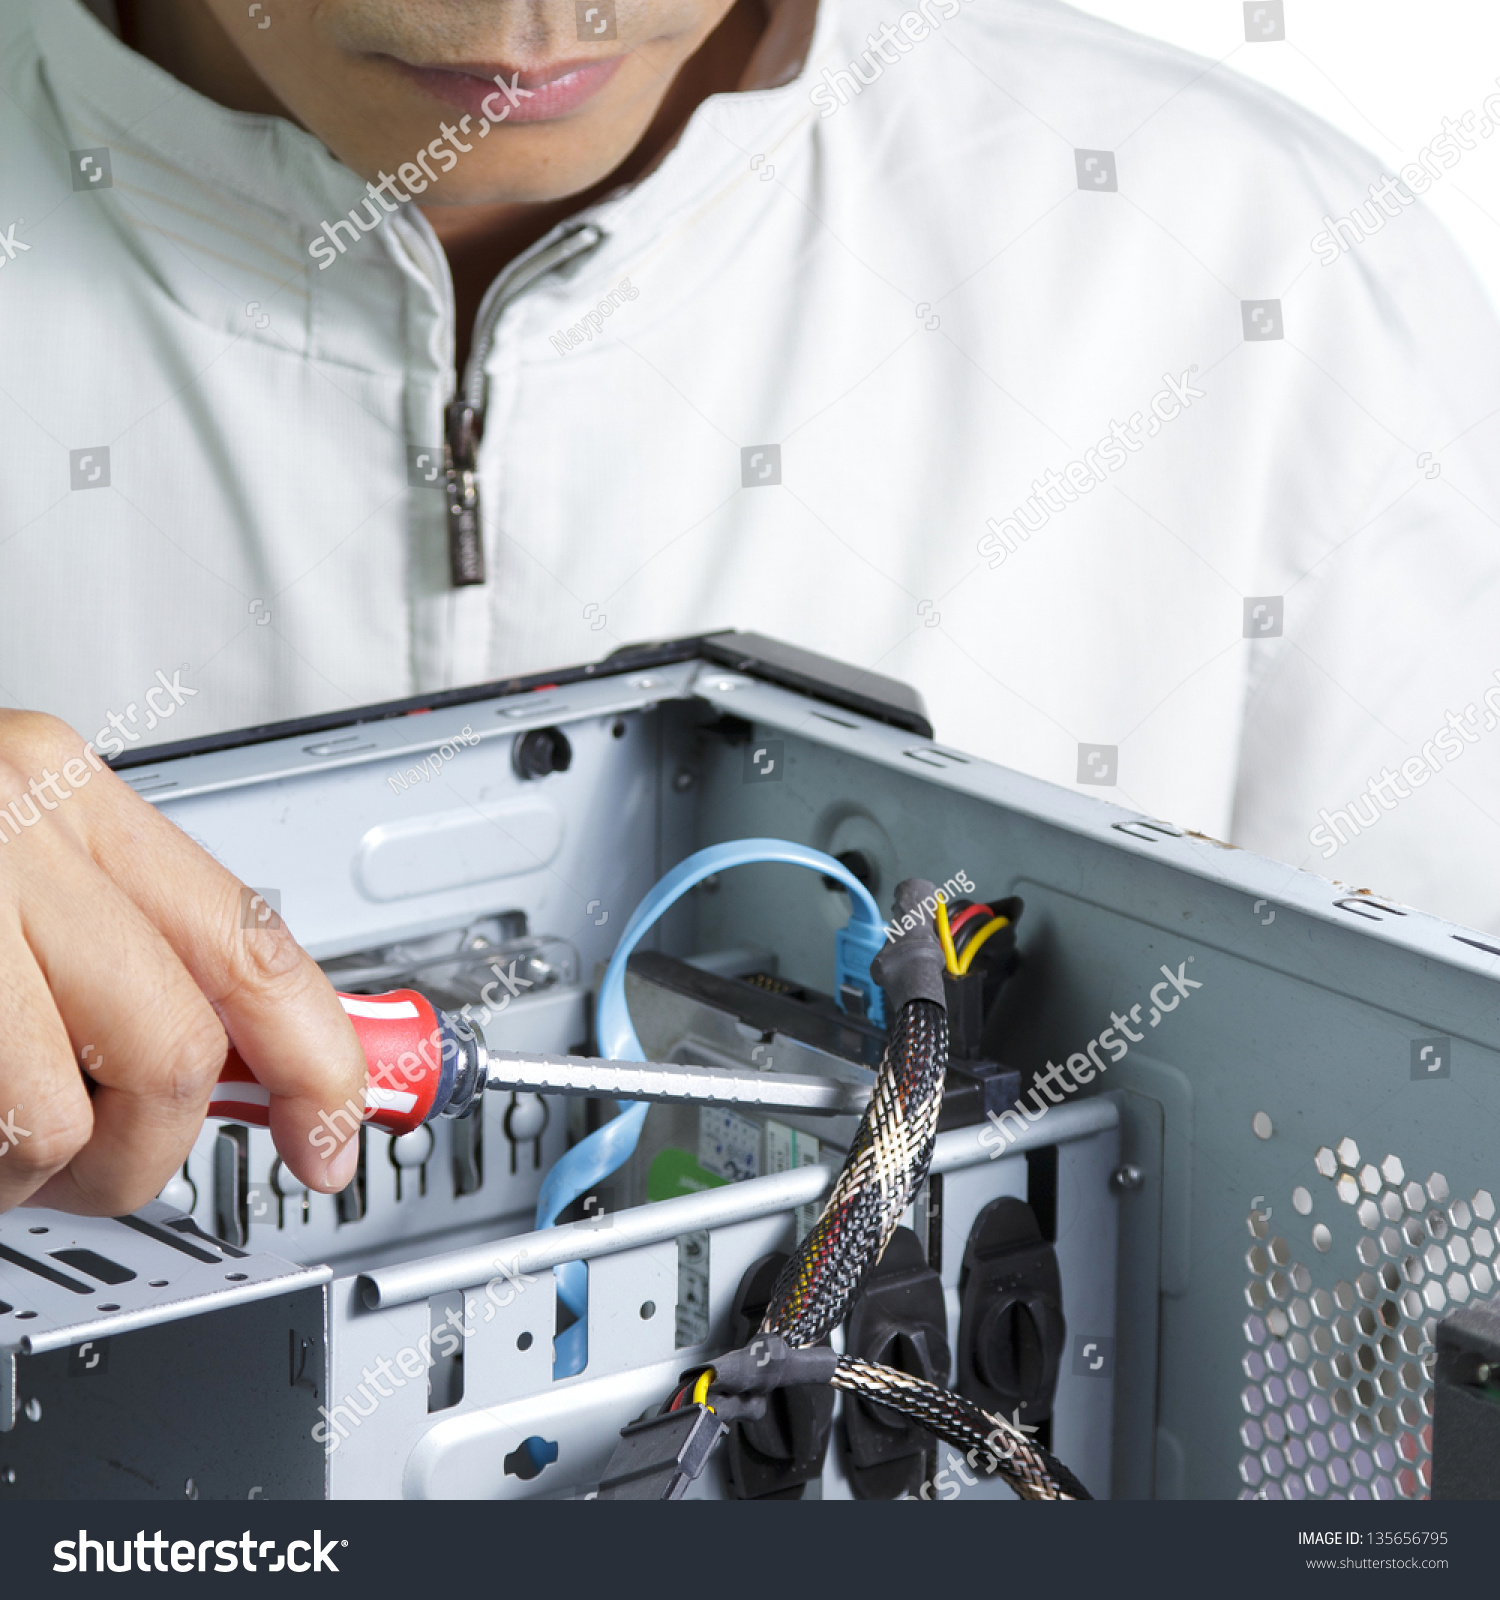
x=533 y=182
x=529 y=164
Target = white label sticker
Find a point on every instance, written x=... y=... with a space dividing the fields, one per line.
x=728 y=1144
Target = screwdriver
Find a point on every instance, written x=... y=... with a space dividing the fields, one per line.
x=425 y=1063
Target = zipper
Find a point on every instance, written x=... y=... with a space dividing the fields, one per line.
x=463 y=420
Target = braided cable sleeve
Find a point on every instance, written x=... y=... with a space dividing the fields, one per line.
x=886 y=1164
x=992 y=1443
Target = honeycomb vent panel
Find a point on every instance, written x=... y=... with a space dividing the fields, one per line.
x=1338 y=1368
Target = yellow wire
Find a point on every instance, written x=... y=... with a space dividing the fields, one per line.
x=700 y=1389
x=945 y=939
x=972 y=947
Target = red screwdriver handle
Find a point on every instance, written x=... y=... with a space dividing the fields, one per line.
x=402 y=1037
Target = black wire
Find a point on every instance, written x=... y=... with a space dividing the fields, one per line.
x=682 y=1393
x=886 y=1164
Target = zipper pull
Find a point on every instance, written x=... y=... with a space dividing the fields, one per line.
x=461 y=494
x=463 y=420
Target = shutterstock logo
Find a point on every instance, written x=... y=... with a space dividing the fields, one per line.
x=1098 y=763
x=153 y=1553
x=1093 y=1356
x=1096 y=169
x=1263 y=616
x=91 y=170
x=764 y=761
x=424 y=466
x=1431 y=1058
x=89 y=468
x=1265 y=21
x=760 y=466
x=595 y=20
x=1261 y=319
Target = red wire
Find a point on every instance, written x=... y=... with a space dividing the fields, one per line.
x=966 y=915
x=684 y=1391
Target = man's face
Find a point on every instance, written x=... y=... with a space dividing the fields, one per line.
x=376 y=80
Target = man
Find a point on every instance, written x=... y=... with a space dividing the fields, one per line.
x=354 y=350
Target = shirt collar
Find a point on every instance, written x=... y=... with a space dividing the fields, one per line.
x=108 y=94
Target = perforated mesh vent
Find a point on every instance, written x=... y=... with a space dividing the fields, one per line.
x=1339 y=1399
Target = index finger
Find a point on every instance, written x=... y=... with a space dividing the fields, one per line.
x=280 y=1012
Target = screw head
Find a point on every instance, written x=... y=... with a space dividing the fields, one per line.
x=541 y=752
x=1126 y=1177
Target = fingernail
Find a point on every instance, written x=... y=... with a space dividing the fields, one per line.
x=341 y=1169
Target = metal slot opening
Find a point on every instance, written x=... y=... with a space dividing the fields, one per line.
x=344 y=746
x=151 y=783
x=445 y=1377
x=349 y=1202
x=97 y=1266
x=187 y=1225
x=1137 y=826
x=232 y=1184
x=1370 y=910
x=42 y=1270
x=166 y=1237
x=930 y=756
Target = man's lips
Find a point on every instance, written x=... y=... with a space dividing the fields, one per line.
x=538 y=96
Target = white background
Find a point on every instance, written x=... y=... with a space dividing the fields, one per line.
x=1385 y=72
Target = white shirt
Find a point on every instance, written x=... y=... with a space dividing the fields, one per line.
x=925 y=298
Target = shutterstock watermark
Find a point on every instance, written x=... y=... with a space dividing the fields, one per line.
x=842 y=84
x=127 y=726
x=153 y=1552
x=47 y=793
x=52 y=788
x=1080 y=477
x=412 y=1066
x=1456 y=734
x=414 y=1361
x=1085 y=1065
x=433 y=764
x=1438 y=157
x=417 y=175
x=11 y=1131
x=1001 y=1443
x=567 y=339
x=10 y=246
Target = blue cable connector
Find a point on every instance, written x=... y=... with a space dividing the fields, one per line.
x=592 y=1160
